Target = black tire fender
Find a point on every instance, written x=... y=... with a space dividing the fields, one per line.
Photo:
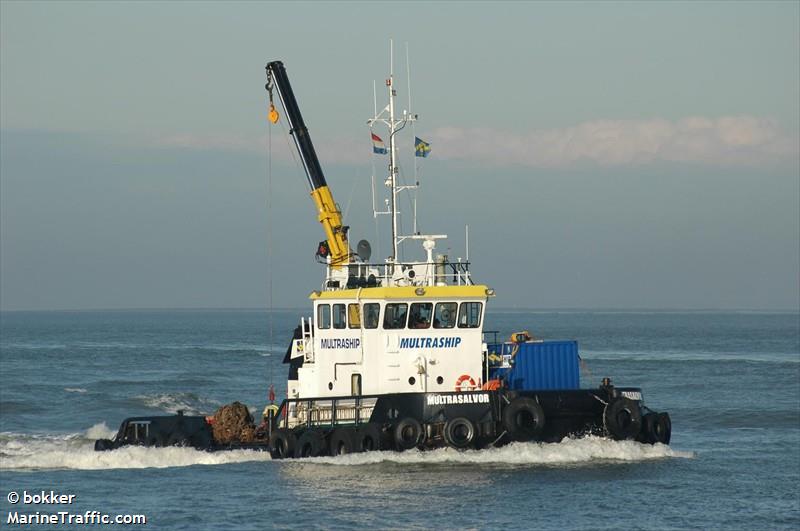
x=103 y=445
x=368 y=437
x=282 y=444
x=622 y=418
x=647 y=435
x=459 y=432
x=662 y=428
x=408 y=434
x=342 y=441
x=524 y=419
x=311 y=444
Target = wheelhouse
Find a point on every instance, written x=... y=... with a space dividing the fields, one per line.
x=390 y=340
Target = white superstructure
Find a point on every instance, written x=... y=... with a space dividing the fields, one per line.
x=393 y=327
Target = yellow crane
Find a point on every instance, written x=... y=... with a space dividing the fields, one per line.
x=336 y=246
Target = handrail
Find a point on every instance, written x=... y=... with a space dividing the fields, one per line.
x=369 y=274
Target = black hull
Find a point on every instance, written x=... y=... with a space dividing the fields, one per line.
x=465 y=420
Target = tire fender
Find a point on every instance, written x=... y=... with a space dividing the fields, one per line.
x=368 y=437
x=311 y=444
x=342 y=442
x=408 y=434
x=647 y=435
x=282 y=444
x=524 y=419
x=102 y=445
x=459 y=432
x=622 y=418
x=662 y=428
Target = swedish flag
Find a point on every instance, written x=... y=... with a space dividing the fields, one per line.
x=421 y=148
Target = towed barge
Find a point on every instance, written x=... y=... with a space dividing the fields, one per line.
x=395 y=356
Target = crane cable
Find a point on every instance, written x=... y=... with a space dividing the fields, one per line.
x=270 y=318
x=273 y=118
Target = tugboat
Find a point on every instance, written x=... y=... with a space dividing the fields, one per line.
x=395 y=356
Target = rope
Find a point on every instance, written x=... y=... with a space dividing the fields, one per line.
x=292 y=148
x=585 y=368
x=269 y=253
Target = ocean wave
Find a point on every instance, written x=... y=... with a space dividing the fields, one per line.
x=229 y=348
x=75 y=390
x=100 y=431
x=35 y=346
x=189 y=403
x=567 y=452
x=76 y=452
x=19 y=407
x=683 y=356
x=776 y=417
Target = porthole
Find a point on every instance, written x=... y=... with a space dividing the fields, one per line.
x=439 y=380
x=412 y=380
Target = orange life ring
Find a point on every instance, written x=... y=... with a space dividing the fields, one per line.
x=465 y=378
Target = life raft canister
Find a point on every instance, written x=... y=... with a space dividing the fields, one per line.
x=465 y=382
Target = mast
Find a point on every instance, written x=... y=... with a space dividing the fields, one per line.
x=392 y=151
x=395 y=124
x=388 y=118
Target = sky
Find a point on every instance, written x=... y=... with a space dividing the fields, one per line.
x=604 y=155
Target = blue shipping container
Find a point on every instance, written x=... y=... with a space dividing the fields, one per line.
x=539 y=365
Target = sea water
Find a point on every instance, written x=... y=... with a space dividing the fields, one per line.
x=730 y=381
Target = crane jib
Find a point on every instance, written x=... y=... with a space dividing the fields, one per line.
x=302 y=138
x=329 y=215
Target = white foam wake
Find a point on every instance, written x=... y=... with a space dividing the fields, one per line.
x=100 y=431
x=567 y=452
x=76 y=451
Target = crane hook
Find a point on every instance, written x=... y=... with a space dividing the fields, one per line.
x=273 y=114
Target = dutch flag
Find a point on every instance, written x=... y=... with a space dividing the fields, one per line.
x=377 y=145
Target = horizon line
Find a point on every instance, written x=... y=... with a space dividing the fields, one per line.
x=553 y=309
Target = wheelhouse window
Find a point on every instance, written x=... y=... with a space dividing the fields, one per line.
x=353 y=316
x=339 y=316
x=394 y=316
x=420 y=315
x=445 y=315
x=469 y=316
x=324 y=316
x=372 y=314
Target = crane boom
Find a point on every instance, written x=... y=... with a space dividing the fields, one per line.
x=328 y=212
